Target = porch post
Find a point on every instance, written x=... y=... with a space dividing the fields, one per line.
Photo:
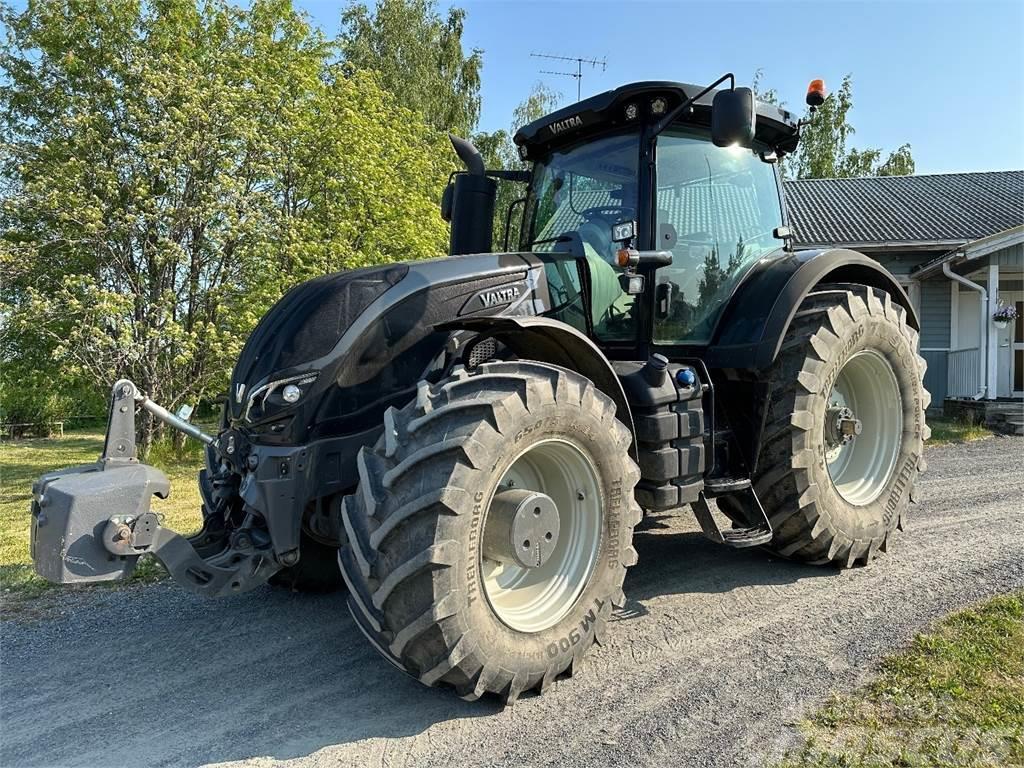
x=991 y=337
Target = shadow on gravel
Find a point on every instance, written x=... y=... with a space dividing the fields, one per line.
x=687 y=562
x=157 y=677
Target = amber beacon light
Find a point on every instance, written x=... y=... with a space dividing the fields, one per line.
x=816 y=93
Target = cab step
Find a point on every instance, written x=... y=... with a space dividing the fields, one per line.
x=719 y=486
x=754 y=535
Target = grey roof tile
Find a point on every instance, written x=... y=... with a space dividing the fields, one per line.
x=911 y=209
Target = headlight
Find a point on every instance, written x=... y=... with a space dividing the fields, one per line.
x=291 y=391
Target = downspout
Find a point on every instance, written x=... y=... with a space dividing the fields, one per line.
x=983 y=328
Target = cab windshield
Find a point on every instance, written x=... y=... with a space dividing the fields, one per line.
x=577 y=194
x=716 y=210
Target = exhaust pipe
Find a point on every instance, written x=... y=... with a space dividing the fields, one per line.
x=470 y=202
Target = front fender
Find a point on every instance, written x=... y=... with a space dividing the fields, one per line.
x=552 y=341
x=755 y=321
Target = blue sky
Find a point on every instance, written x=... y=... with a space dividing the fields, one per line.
x=946 y=77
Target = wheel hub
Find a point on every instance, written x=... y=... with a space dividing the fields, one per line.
x=863 y=427
x=522 y=528
x=841 y=426
x=541 y=538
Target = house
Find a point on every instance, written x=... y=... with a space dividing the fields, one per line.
x=956 y=243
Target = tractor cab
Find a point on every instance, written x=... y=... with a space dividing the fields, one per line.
x=666 y=193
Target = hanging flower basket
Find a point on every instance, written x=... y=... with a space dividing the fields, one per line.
x=1004 y=315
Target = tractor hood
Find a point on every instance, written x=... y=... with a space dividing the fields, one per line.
x=305 y=325
x=355 y=342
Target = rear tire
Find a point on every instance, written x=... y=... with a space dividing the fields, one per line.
x=422 y=585
x=831 y=499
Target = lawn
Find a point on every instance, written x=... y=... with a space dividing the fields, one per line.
x=22 y=461
x=955 y=698
x=956 y=431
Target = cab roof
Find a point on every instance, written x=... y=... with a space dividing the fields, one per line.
x=776 y=127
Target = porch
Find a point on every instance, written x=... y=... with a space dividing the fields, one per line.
x=1003 y=415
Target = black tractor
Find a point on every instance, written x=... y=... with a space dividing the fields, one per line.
x=466 y=444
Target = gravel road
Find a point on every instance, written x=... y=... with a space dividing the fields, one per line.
x=716 y=654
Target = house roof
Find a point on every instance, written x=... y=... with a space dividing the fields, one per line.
x=914 y=211
x=971 y=251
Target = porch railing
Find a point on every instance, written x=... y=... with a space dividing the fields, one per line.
x=964 y=377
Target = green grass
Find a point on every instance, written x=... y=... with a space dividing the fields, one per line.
x=22 y=461
x=954 y=698
x=946 y=431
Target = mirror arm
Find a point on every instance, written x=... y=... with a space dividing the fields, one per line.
x=519 y=177
x=668 y=119
x=508 y=219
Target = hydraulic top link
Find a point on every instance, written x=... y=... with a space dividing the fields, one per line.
x=120 y=441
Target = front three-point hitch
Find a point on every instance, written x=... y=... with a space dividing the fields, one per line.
x=92 y=522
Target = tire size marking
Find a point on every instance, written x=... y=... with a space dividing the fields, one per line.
x=614 y=526
x=474 y=546
x=525 y=431
x=575 y=635
x=584 y=430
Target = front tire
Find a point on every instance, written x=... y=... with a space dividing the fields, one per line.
x=434 y=582
x=848 y=362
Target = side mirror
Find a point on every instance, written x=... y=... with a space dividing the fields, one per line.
x=733 y=118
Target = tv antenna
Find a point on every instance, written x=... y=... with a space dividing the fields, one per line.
x=578 y=74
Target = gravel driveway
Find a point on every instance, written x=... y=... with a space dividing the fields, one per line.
x=716 y=654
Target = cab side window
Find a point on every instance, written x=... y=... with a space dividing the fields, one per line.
x=566 y=292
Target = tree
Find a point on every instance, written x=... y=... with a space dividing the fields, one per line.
x=714 y=276
x=169 y=171
x=499 y=152
x=419 y=58
x=823 y=152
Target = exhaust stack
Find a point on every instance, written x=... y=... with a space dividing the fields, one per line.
x=468 y=202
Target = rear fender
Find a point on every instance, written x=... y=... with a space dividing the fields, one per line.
x=552 y=341
x=754 y=323
x=752 y=328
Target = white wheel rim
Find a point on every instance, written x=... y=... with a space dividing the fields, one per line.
x=861 y=469
x=533 y=599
